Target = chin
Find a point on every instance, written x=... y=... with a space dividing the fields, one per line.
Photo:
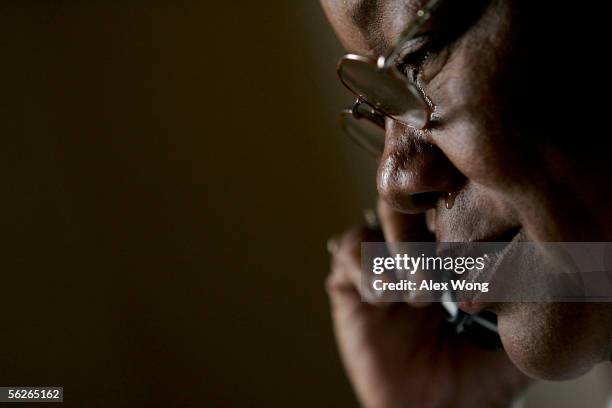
x=555 y=341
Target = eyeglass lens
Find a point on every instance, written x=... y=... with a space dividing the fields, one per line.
x=386 y=90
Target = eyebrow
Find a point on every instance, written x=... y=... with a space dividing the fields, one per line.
x=369 y=17
x=364 y=15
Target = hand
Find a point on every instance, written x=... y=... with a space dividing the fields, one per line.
x=399 y=355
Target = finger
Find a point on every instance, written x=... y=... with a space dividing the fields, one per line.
x=345 y=281
x=401 y=227
x=405 y=228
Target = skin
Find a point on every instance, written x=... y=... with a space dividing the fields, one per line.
x=513 y=168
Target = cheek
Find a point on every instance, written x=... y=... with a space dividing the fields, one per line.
x=478 y=151
x=469 y=112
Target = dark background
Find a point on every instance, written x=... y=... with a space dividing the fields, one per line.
x=170 y=173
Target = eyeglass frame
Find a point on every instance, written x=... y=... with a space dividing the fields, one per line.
x=386 y=62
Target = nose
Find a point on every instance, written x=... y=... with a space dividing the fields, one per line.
x=414 y=174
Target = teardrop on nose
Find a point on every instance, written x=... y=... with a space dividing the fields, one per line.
x=450 y=199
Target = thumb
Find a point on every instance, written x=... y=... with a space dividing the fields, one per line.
x=401 y=227
x=404 y=228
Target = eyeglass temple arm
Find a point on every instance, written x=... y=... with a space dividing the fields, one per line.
x=423 y=14
x=368 y=113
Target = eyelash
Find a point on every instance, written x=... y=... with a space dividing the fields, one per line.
x=412 y=63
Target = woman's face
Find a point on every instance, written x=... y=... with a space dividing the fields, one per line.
x=492 y=141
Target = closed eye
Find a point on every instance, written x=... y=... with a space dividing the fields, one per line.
x=414 y=54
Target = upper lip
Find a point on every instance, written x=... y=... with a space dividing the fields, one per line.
x=506 y=236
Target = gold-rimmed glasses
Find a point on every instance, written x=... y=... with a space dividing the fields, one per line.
x=383 y=91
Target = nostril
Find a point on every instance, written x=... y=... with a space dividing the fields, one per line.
x=425 y=200
x=419 y=202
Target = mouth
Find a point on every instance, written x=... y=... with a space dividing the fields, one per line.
x=494 y=250
x=508 y=236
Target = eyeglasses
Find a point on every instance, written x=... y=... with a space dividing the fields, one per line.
x=383 y=91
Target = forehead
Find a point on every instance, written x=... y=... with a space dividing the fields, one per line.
x=369 y=26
